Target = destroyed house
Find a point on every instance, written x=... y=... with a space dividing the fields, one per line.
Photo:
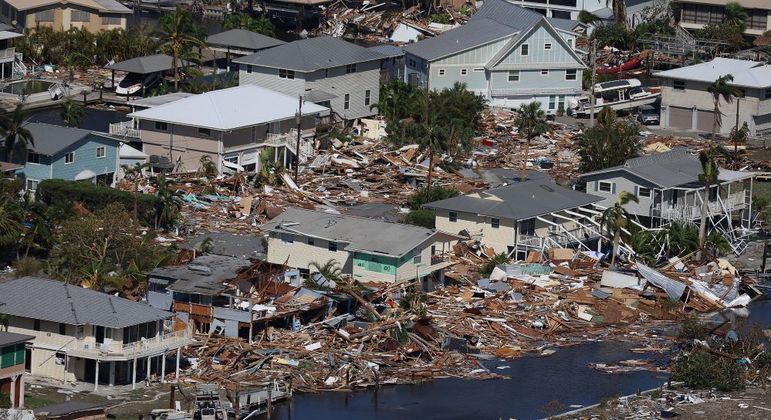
x=532 y=215
x=229 y=126
x=507 y=54
x=85 y=335
x=67 y=153
x=668 y=188
x=366 y=249
x=197 y=290
x=336 y=74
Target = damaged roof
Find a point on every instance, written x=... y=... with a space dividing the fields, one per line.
x=56 y=301
x=204 y=275
x=307 y=55
x=243 y=39
x=360 y=234
x=523 y=200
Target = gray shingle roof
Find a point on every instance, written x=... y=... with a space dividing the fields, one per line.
x=307 y=55
x=360 y=234
x=496 y=19
x=474 y=33
x=519 y=201
x=243 y=39
x=205 y=275
x=55 y=301
x=668 y=169
x=51 y=139
x=145 y=65
x=7 y=338
x=388 y=50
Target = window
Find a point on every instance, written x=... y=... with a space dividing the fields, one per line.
x=605 y=186
x=453 y=216
x=110 y=20
x=62 y=329
x=412 y=63
x=311 y=241
x=80 y=331
x=495 y=223
x=479 y=69
x=33 y=157
x=678 y=84
x=571 y=74
x=36 y=325
x=527 y=227
x=287 y=238
x=285 y=74
x=69 y=158
x=544 y=72
x=332 y=246
x=561 y=102
x=713 y=193
x=347 y=101
x=441 y=72
x=101 y=151
x=570 y=42
x=417 y=259
x=80 y=16
x=367 y=97
x=643 y=192
x=768 y=93
x=350 y=68
x=248 y=68
x=32 y=184
x=108 y=333
x=552 y=103
x=525 y=49
x=204 y=132
x=513 y=75
x=547 y=46
x=161 y=126
x=45 y=16
x=463 y=72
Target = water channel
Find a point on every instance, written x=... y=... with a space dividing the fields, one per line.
x=535 y=383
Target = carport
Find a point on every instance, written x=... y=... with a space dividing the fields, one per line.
x=149 y=64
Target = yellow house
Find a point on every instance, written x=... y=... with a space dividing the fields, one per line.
x=61 y=15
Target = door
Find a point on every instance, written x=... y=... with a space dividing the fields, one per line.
x=680 y=117
x=705 y=120
x=99 y=335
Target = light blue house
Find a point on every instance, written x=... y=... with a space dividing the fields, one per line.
x=67 y=153
x=506 y=53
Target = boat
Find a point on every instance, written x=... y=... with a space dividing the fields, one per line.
x=630 y=64
x=618 y=95
x=208 y=405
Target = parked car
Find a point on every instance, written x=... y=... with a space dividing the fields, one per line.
x=134 y=82
x=649 y=115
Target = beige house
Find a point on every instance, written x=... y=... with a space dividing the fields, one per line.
x=366 y=249
x=231 y=126
x=81 y=335
x=514 y=219
x=687 y=104
x=695 y=14
x=61 y=15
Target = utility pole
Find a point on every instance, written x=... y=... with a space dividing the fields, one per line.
x=593 y=58
x=298 y=119
x=736 y=134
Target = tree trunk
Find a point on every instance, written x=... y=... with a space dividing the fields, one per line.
x=714 y=121
x=616 y=242
x=523 y=170
x=174 y=58
x=430 y=167
x=703 y=221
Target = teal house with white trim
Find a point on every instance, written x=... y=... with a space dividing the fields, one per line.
x=508 y=54
x=67 y=153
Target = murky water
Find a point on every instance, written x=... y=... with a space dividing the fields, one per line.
x=95 y=119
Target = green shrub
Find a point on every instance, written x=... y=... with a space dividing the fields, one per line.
x=487 y=268
x=428 y=195
x=700 y=369
x=94 y=197
x=421 y=217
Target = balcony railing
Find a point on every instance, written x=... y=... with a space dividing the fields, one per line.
x=8 y=54
x=289 y=140
x=140 y=348
x=685 y=212
x=124 y=129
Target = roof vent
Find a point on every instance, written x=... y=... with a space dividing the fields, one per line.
x=547 y=188
x=199 y=268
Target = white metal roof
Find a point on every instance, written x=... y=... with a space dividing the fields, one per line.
x=746 y=73
x=229 y=109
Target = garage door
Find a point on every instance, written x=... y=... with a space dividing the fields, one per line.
x=704 y=120
x=680 y=117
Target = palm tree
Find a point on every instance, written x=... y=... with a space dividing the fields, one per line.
x=619 y=10
x=72 y=114
x=739 y=136
x=331 y=270
x=13 y=130
x=177 y=32
x=5 y=321
x=721 y=89
x=708 y=177
x=11 y=227
x=616 y=219
x=168 y=205
x=261 y=25
x=432 y=139
x=735 y=15
x=207 y=167
x=531 y=122
x=396 y=100
x=681 y=239
x=135 y=174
